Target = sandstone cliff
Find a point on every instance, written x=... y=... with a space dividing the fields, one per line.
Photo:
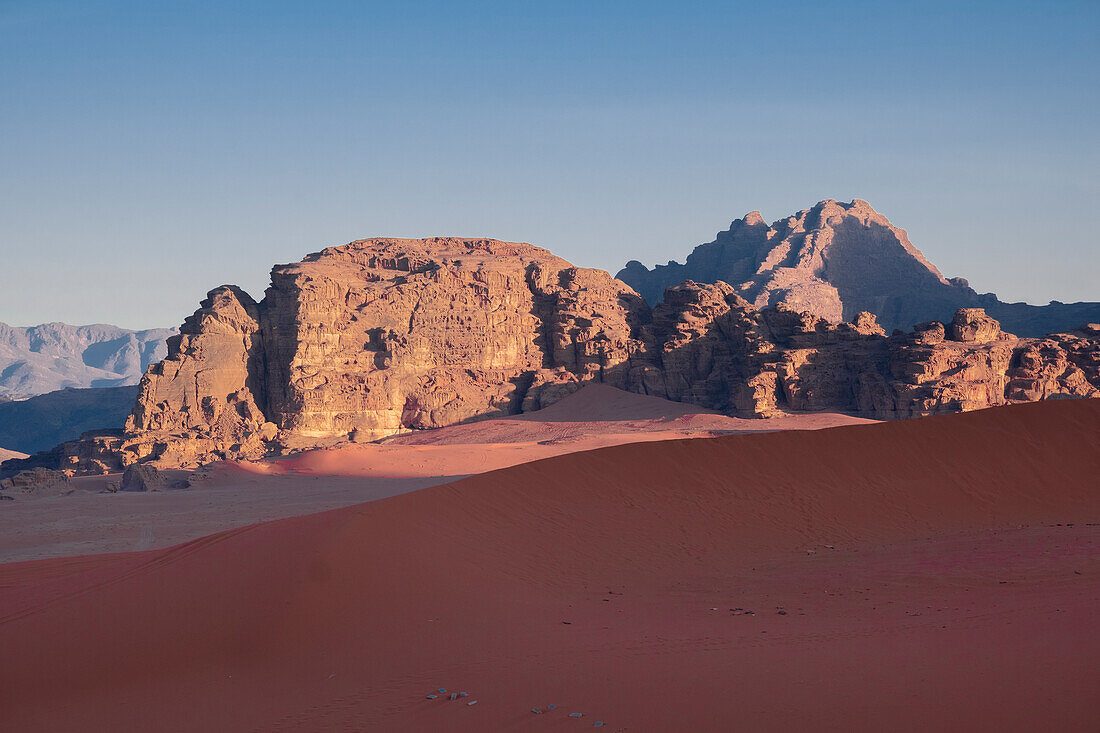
x=836 y=260
x=385 y=336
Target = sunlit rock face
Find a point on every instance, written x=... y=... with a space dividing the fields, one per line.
x=384 y=336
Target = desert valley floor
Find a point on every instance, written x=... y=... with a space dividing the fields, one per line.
x=831 y=574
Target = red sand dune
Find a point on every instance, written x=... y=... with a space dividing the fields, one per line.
x=602 y=582
x=237 y=494
x=597 y=416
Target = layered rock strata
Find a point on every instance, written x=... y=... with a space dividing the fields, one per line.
x=379 y=337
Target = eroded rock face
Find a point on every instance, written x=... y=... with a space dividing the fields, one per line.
x=379 y=337
x=835 y=260
x=714 y=349
x=973 y=326
x=384 y=336
x=1060 y=365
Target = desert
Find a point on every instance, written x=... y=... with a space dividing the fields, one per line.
x=457 y=484
x=386 y=367
x=647 y=586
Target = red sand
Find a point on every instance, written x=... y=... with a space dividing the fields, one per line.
x=235 y=495
x=597 y=416
x=935 y=609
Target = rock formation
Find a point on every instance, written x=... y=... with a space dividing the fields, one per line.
x=836 y=260
x=54 y=356
x=379 y=337
x=716 y=350
x=37 y=482
x=142 y=477
x=385 y=336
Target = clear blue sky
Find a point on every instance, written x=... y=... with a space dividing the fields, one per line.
x=152 y=150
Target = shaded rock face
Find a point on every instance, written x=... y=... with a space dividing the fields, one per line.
x=716 y=350
x=836 y=260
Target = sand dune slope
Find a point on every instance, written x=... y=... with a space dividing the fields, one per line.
x=596 y=416
x=903 y=576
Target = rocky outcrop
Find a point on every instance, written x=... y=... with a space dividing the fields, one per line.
x=716 y=350
x=142 y=477
x=6 y=454
x=201 y=399
x=836 y=260
x=36 y=360
x=385 y=336
x=92 y=454
x=37 y=482
x=1060 y=365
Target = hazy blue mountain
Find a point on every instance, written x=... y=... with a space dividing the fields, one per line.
x=36 y=360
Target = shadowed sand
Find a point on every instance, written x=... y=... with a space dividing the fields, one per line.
x=235 y=495
x=924 y=570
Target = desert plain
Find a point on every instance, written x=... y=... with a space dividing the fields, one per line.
x=637 y=562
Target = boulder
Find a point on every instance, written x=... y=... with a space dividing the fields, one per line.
x=142 y=477
x=973 y=326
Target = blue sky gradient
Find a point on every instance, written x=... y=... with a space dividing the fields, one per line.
x=150 y=151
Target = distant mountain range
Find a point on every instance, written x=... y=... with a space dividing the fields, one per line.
x=39 y=423
x=38 y=359
x=837 y=259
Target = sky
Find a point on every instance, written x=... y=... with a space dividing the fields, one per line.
x=150 y=151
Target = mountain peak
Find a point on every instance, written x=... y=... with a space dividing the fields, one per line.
x=834 y=260
x=752 y=219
